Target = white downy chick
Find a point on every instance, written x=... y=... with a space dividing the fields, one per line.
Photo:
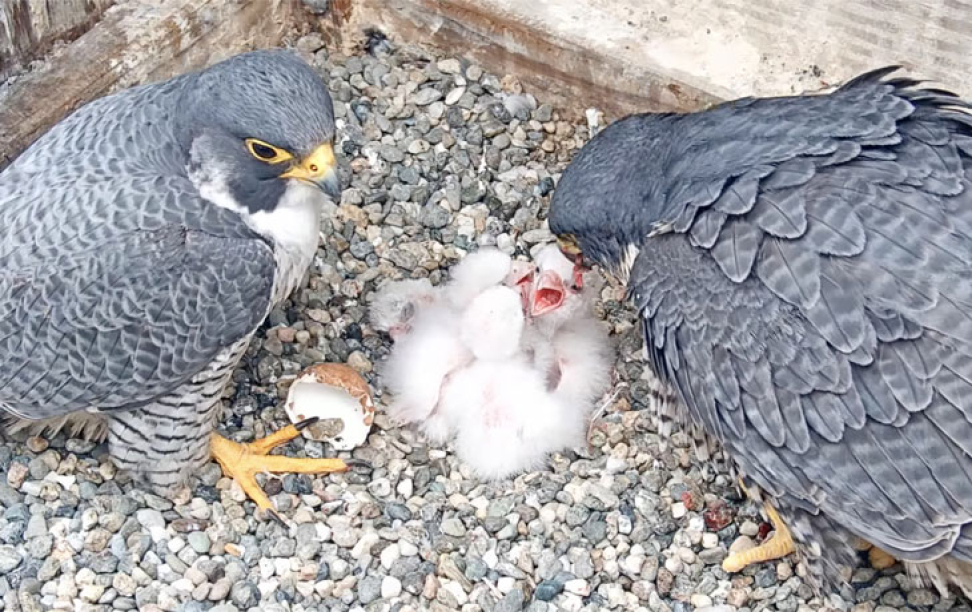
x=558 y=291
x=480 y=270
x=506 y=422
x=395 y=304
x=503 y=416
x=563 y=337
x=585 y=357
x=419 y=367
x=492 y=324
x=428 y=343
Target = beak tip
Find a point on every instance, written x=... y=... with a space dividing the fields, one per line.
x=331 y=185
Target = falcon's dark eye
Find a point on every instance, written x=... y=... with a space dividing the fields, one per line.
x=266 y=152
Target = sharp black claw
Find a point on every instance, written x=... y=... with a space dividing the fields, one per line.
x=358 y=463
x=306 y=423
x=279 y=519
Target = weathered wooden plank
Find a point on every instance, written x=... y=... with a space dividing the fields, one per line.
x=136 y=42
x=28 y=28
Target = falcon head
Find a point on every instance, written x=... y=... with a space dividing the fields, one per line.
x=593 y=231
x=255 y=126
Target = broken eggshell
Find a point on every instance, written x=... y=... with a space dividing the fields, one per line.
x=339 y=397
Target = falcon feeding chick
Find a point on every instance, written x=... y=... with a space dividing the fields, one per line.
x=802 y=268
x=145 y=238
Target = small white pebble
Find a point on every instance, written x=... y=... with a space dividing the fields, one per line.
x=363 y=547
x=749 y=528
x=89 y=518
x=578 y=587
x=268 y=587
x=678 y=510
x=91 y=593
x=674 y=565
x=407 y=549
x=632 y=564
x=84 y=576
x=282 y=567
x=710 y=540
x=741 y=543
x=176 y=544
x=615 y=464
x=490 y=559
x=455 y=589
x=389 y=555
x=266 y=567
x=405 y=488
x=390 y=587
x=505 y=584
x=700 y=600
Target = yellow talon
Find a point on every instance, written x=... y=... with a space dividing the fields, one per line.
x=880 y=559
x=244 y=461
x=778 y=546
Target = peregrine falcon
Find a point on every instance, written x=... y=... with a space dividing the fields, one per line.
x=803 y=269
x=145 y=238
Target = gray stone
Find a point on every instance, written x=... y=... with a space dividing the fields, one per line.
x=199 y=541
x=369 y=589
x=10 y=558
x=245 y=594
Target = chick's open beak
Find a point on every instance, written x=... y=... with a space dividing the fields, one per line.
x=318 y=169
x=548 y=294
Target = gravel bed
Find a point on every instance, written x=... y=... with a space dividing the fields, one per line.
x=440 y=158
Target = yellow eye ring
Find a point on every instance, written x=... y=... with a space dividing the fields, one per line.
x=266 y=152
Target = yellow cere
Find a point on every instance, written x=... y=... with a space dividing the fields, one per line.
x=316 y=165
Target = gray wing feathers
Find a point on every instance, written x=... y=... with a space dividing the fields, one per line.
x=831 y=298
x=117 y=282
x=127 y=323
x=736 y=248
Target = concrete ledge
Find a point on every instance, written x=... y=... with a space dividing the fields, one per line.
x=137 y=42
x=626 y=56
x=528 y=39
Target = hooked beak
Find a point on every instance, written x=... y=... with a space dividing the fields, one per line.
x=521 y=279
x=318 y=169
x=548 y=295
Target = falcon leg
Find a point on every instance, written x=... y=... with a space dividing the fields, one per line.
x=243 y=461
x=778 y=546
x=878 y=558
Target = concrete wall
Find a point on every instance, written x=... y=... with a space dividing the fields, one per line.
x=631 y=55
x=741 y=47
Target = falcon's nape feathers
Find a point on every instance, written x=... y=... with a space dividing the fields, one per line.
x=803 y=267
x=145 y=238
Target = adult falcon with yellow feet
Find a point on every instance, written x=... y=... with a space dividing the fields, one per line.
x=143 y=240
x=803 y=269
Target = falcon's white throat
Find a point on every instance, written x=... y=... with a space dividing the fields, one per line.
x=293 y=226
